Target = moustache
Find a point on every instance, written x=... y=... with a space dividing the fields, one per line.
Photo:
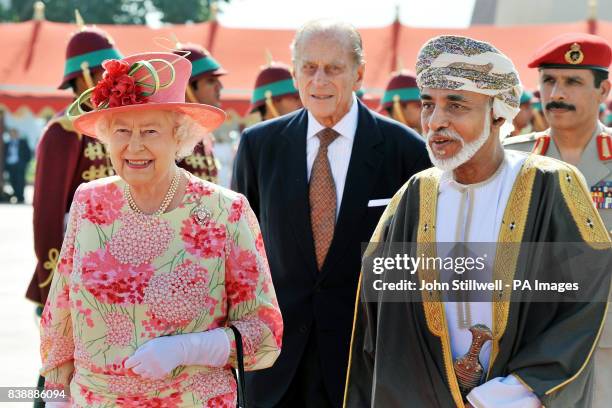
x=444 y=132
x=560 y=105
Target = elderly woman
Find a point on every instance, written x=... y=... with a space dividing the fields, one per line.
x=156 y=264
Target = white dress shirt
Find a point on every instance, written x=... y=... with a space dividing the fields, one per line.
x=480 y=221
x=12 y=156
x=338 y=152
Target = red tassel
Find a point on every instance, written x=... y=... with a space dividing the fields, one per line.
x=604 y=146
x=541 y=145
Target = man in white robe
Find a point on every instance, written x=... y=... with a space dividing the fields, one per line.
x=403 y=353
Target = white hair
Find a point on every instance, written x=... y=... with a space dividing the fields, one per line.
x=339 y=29
x=466 y=152
x=186 y=130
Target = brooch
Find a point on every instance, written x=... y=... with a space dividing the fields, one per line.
x=202 y=214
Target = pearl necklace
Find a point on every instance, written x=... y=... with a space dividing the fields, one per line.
x=164 y=204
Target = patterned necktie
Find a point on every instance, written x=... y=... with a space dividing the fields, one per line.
x=322 y=196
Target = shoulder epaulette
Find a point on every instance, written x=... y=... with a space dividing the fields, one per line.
x=541 y=144
x=604 y=145
x=526 y=138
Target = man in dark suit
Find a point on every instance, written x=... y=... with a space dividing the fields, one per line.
x=3 y=196
x=319 y=180
x=17 y=156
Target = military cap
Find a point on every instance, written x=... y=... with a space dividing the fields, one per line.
x=526 y=97
x=87 y=49
x=537 y=103
x=574 y=50
x=274 y=80
x=202 y=62
x=401 y=87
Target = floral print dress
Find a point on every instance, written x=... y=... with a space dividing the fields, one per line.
x=124 y=278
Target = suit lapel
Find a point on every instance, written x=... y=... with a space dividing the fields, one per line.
x=295 y=185
x=366 y=157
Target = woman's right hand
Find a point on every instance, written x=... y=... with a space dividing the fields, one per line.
x=158 y=357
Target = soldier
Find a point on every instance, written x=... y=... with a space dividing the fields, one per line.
x=3 y=197
x=274 y=94
x=522 y=121
x=401 y=100
x=609 y=116
x=204 y=87
x=538 y=122
x=65 y=159
x=573 y=72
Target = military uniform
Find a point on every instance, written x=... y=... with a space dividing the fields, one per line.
x=526 y=98
x=202 y=162
x=595 y=163
x=65 y=159
x=582 y=51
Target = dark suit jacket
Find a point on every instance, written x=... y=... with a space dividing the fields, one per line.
x=25 y=154
x=270 y=170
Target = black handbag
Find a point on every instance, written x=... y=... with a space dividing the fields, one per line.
x=240 y=370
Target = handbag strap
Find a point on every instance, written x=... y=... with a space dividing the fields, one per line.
x=240 y=373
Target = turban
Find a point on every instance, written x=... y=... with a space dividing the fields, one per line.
x=465 y=64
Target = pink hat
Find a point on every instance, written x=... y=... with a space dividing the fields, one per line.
x=142 y=82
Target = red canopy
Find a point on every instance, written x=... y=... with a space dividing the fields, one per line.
x=33 y=60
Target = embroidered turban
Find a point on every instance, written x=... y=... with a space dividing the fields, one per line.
x=461 y=63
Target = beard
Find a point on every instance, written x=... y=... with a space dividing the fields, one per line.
x=465 y=153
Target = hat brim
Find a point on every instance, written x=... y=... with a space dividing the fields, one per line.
x=216 y=73
x=382 y=107
x=73 y=75
x=568 y=66
x=208 y=117
x=254 y=105
x=387 y=105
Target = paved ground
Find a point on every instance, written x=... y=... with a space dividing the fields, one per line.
x=19 y=358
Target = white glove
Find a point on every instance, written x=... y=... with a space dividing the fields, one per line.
x=158 y=357
x=57 y=404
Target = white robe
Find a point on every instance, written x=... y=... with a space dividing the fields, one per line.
x=473 y=213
